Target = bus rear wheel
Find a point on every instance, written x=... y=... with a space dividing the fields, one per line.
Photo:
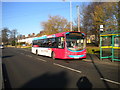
x=53 y=55
x=37 y=52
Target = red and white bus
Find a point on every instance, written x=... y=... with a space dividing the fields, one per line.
x=65 y=45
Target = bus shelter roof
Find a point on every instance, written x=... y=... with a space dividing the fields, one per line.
x=110 y=33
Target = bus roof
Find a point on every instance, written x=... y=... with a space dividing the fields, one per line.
x=55 y=35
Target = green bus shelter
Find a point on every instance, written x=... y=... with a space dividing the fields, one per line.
x=110 y=45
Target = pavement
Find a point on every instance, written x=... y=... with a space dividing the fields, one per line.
x=96 y=58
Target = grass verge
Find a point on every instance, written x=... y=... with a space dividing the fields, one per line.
x=93 y=49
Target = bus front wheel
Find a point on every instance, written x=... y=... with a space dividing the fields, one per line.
x=53 y=55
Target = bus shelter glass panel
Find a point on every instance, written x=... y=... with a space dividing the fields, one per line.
x=117 y=47
x=117 y=41
x=116 y=53
x=106 y=46
x=106 y=41
x=106 y=52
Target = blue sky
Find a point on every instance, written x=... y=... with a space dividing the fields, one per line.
x=26 y=17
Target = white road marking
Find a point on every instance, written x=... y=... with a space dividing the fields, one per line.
x=110 y=81
x=41 y=59
x=36 y=58
x=24 y=50
x=21 y=53
x=68 y=68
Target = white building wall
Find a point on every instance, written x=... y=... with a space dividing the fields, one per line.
x=27 y=40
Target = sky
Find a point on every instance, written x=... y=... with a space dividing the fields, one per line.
x=26 y=17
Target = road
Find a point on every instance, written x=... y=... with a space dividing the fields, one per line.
x=22 y=69
x=1 y=77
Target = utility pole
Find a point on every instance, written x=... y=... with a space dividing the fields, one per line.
x=14 y=38
x=78 y=17
x=70 y=15
x=14 y=34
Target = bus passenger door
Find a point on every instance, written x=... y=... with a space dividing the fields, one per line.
x=60 y=50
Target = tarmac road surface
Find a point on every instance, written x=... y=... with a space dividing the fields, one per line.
x=22 y=69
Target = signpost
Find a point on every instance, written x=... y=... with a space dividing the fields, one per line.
x=101 y=28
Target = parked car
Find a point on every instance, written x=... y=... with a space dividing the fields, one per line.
x=1 y=46
x=24 y=45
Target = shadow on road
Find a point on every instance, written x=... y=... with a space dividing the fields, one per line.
x=7 y=84
x=99 y=72
x=96 y=53
x=7 y=56
x=83 y=82
x=47 y=80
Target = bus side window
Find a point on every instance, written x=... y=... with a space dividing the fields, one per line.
x=54 y=43
x=45 y=43
x=60 y=42
x=42 y=42
x=35 y=43
x=50 y=42
x=39 y=43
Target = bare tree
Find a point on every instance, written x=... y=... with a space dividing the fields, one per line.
x=55 y=24
x=13 y=37
x=5 y=35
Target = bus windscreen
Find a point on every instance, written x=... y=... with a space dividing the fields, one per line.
x=75 y=41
